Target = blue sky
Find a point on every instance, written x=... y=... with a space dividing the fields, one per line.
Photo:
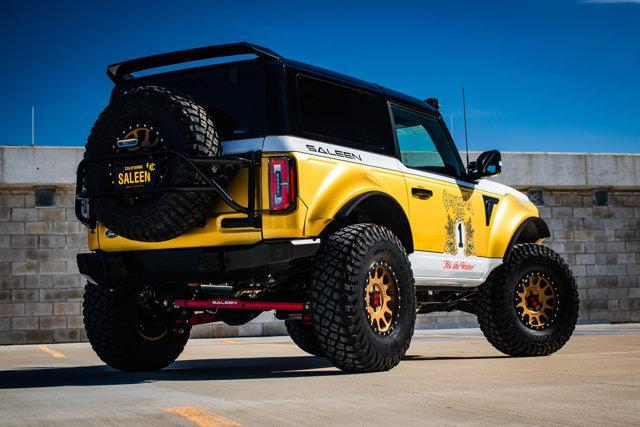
x=539 y=75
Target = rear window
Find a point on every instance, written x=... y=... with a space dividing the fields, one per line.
x=350 y=117
x=233 y=93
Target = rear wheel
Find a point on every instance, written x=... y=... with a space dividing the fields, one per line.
x=529 y=306
x=129 y=329
x=363 y=299
x=304 y=336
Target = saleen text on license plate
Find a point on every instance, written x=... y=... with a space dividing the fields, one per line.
x=134 y=175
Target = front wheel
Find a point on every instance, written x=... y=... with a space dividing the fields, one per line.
x=363 y=299
x=129 y=329
x=529 y=306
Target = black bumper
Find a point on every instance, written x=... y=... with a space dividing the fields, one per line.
x=217 y=264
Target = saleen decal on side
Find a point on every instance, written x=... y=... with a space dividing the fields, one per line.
x=336 y=153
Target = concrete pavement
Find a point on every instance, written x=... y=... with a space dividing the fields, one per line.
x=448 y=377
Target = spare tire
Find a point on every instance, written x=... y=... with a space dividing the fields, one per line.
x=156 y=119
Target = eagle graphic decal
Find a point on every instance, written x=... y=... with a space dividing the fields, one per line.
x=459 y=226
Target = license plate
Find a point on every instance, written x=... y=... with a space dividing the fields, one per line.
x=134 y=175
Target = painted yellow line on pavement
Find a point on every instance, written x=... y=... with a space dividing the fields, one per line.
x=202 y=417
x=51 y=351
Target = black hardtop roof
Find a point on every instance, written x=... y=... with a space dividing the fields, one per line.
x=389 y=93
x=121 y=72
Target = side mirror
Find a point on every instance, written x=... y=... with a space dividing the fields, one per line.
x=488 y=163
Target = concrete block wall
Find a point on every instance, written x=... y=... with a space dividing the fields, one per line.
x=41 y=290
x=40 y=287
x=602 y=246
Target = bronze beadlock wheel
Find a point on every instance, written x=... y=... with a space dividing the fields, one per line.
x=382 y=299
x=145 y=136
x=363 y=299
x=529 y=306
x=127 y=328
x=537 y=300
x=150 y=318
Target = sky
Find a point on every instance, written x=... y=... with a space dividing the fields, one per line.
x=539 y=75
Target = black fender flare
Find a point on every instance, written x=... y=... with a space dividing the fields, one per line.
x=529 y=231
x=399 y=223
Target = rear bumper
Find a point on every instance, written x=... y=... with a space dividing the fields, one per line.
x=216 y=264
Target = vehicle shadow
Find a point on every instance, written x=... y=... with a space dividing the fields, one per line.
x=188 y=370
x=434 y=358
x=181 y=370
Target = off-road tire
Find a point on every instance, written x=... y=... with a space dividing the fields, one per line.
x=496 y=310
x=337 y=299
x=303 y=335
x=186 y=127
x=113 y=336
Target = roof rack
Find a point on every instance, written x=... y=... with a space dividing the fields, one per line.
x=121 y=71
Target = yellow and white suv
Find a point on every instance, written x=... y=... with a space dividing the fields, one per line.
x=218 y=192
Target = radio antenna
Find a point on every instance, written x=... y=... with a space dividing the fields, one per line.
x=466 y=138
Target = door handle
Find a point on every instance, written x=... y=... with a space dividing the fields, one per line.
x=421 y=193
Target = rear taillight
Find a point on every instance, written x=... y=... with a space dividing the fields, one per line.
x=282 y=184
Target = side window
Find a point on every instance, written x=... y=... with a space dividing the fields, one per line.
x=423 y=143
x=350 y=116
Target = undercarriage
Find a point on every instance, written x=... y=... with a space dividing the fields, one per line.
x=183 y=288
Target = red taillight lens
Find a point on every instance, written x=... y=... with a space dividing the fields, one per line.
x=282 y=184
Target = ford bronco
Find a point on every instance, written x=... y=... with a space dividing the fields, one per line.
x=215 y=192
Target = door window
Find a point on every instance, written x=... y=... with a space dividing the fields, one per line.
x=423 y=143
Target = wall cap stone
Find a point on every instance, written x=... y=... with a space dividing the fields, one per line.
x=48 y=165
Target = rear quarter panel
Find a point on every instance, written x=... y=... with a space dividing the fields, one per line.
x=325 y=185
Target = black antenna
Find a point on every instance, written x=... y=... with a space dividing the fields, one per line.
x=466 y=139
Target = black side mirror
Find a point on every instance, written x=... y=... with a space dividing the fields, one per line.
x=488 y=163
